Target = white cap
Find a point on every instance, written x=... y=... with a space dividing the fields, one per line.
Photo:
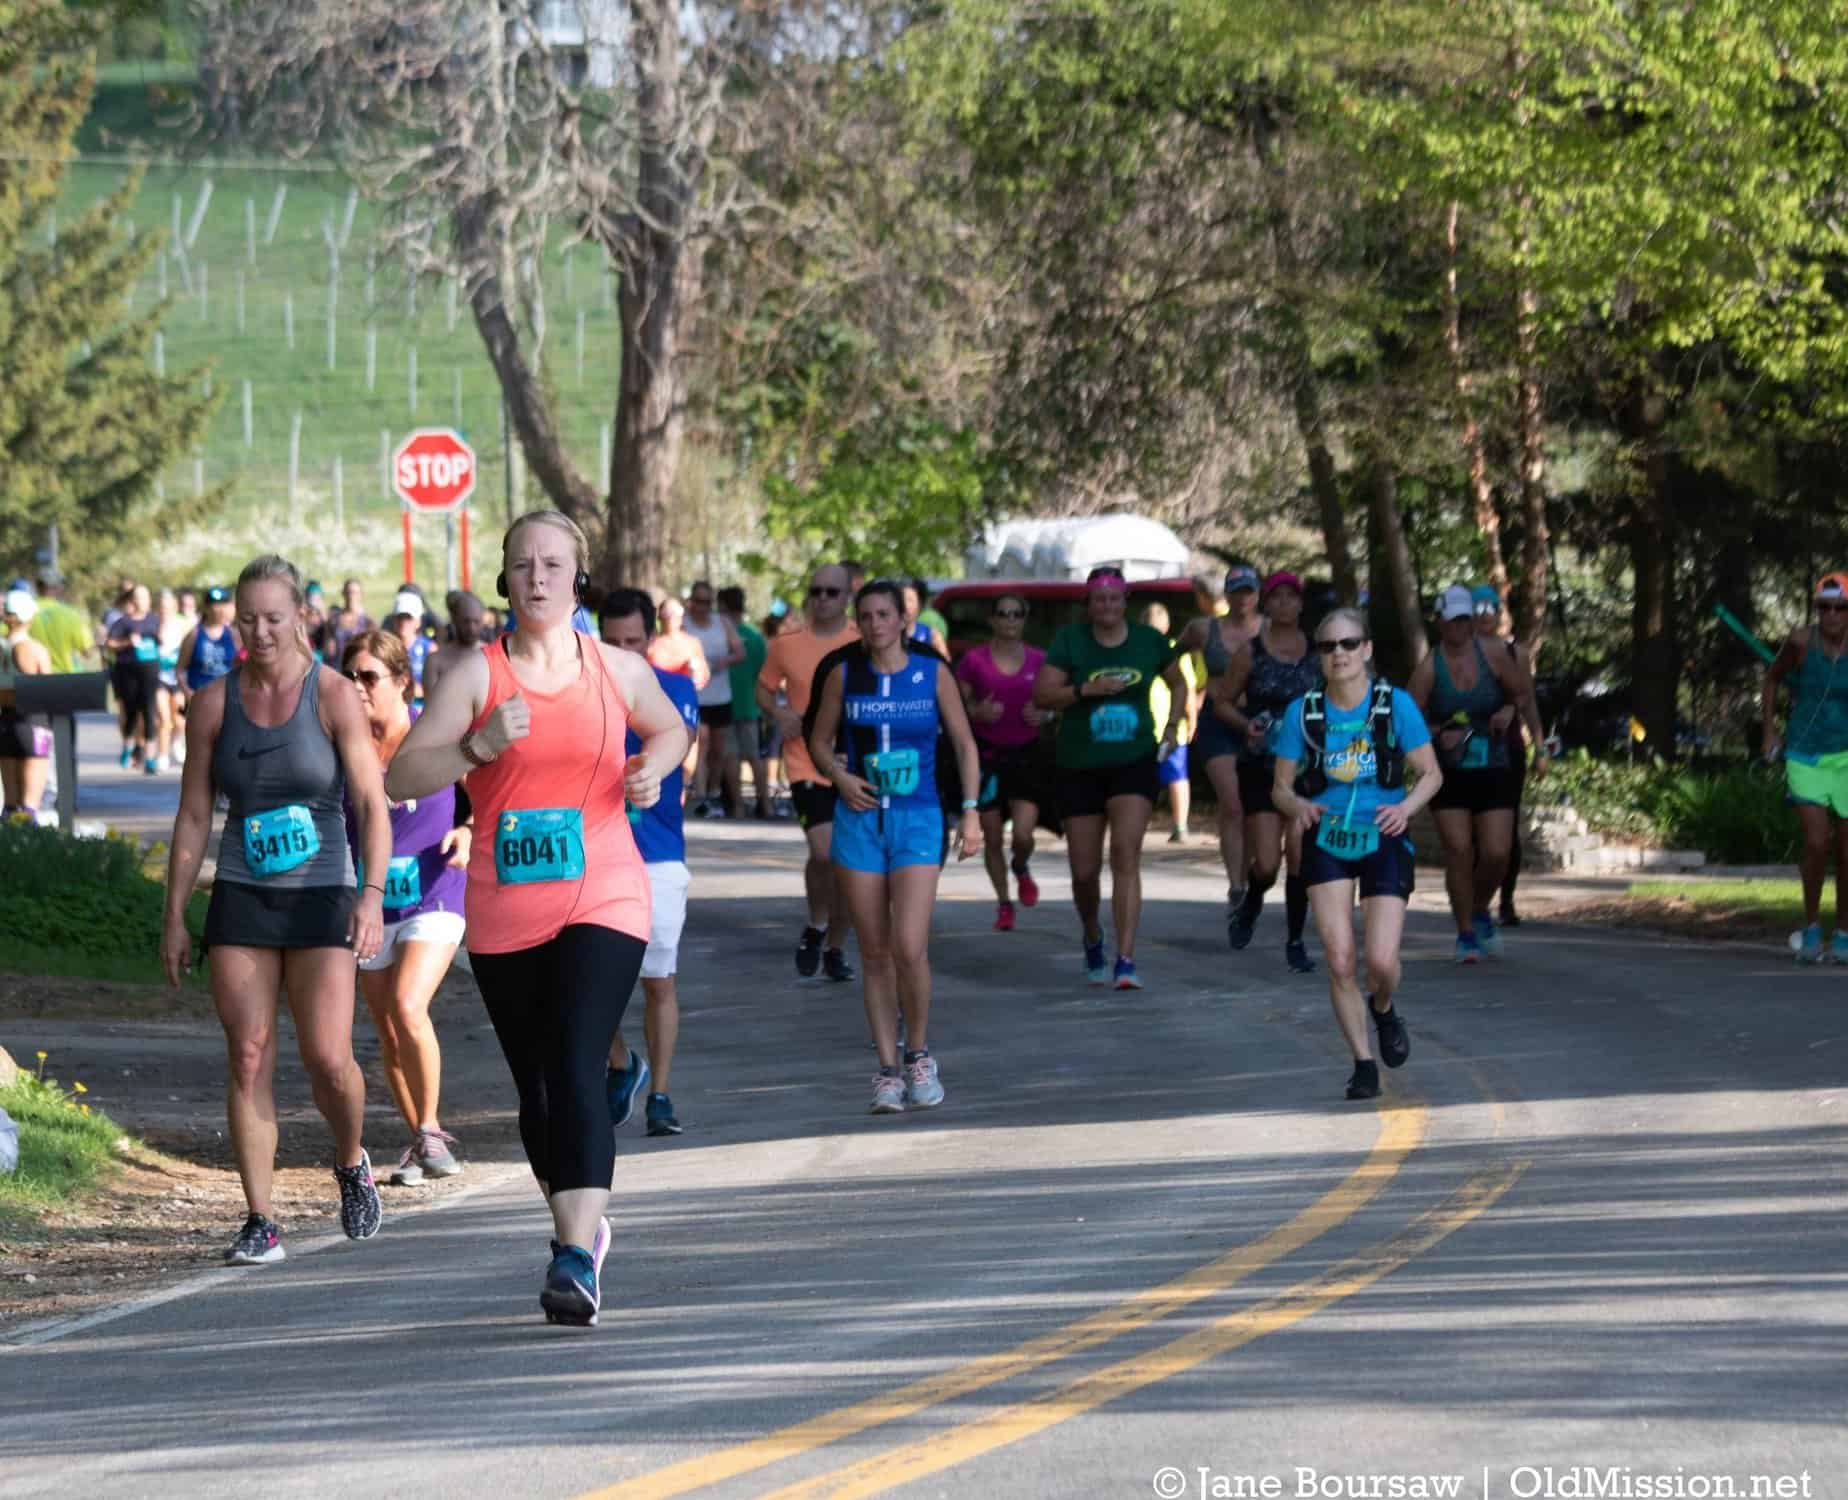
x=1455 y=603
x=20 y=604
x=408 y=603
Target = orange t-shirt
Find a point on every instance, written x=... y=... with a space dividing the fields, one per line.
x=680 y=653
x=789 y=667
x=572 y=758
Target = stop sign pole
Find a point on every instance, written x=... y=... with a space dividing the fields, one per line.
x=433 y=470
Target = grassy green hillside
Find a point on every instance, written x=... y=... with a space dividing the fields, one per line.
x=232 y=306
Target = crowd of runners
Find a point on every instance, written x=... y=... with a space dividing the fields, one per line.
x=518 y=784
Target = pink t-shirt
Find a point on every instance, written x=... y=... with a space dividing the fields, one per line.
x=986 y=680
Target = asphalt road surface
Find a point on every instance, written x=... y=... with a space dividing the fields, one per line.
x=1144 y=1247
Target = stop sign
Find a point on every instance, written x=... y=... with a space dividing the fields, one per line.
x=433 y=469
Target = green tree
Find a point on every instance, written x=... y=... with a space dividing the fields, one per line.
x=86 y=426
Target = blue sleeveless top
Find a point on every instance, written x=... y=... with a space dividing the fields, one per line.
x=892 y=724
x=1819 y=709
x=211 y=659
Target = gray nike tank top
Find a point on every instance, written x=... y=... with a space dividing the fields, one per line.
x=286 y=789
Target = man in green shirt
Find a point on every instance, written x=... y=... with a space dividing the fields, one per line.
x=747 y=720
x=63 y=631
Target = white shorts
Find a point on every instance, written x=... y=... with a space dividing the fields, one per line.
x=425 y=927
x=668 y=881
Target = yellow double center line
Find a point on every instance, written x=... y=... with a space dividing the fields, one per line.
x=1402 y=1128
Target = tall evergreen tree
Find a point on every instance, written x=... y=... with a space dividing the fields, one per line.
x=86 y=426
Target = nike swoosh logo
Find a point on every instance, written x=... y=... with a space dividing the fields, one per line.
x=253 y=754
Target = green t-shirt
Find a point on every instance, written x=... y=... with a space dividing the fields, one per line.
x=744 y=673
x=1120 y=729
x=63 y=632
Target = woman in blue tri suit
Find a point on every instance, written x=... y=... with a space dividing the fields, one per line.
x=1352 y=743
x=895 y=697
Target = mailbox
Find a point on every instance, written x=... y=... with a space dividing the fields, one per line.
x=63 y=695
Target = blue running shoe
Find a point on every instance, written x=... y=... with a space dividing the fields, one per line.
x=1126 y=974
x=571 y=1295
x=1469 y=951
x=624 y=1085
x=1488 y=938
x=1095 y=969
x=1838 y=948
x=1809 y=944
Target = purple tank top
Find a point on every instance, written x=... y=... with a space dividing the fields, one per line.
x=418 y=828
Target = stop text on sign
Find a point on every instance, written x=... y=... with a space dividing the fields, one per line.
x=434 y=469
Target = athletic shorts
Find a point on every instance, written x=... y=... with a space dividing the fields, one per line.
x=1213 y=737
x=253 y=916
x=668 y=880
x=814 y=802
x=1387 y=871
x=1821 y=783
x=1010 y=774
x=747 y=744
x=715 y=715
x=424 y=927
x=1255 y=780
x=883 y=840
x=1174 y=768
x=23 y=736
x=1087 y=793
x=1493 y=789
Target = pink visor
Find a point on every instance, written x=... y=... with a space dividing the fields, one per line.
x=1111 y=580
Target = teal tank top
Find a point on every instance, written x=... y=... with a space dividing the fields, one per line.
x=1476 y=705
x=1819 y=716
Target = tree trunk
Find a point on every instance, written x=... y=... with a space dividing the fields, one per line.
x=1655 y=655
x=1482 y=496
x=1392 y=564
x=1530 y=612
x=528 y=405
x=1305 y=395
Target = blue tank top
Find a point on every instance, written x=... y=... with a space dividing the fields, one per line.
x=1819 y=712
x=211 y=657
x=892 y=724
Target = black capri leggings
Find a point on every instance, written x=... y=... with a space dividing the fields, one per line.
x=556 y=1009
x=136 y=684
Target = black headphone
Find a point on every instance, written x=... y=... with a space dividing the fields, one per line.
x=578 y=584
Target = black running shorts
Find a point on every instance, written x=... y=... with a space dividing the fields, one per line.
x=1387 y=871
x=814 y=802
x=1087 y=793
x=252 y=916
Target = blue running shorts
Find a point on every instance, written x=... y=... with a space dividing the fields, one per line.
x=879 y=842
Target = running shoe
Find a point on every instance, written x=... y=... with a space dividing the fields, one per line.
x=128 y=757
x=1125 y=976
x=361 y=1213
x=1811 y=951
x=1469 y=951
x=1004 y=917
x=808 y=952
x=258 y=1243
x=1297 y=957
x=1364 y=1081
x=922 y=1088
x=1241 y=922
x=1487 y=938
x=600 y=1247
x=1395 y=1045
x=1177 y=836
x=434 y=1155
x=571 y=1294
x=153 y=767
x=888 y=1093
x=834 y=964
x=1095 y=969
x=1838 y=948
x=1029 y=887
x=660 y=1112
x=1509 y=916
x=409 y=1171
x=622 y=1085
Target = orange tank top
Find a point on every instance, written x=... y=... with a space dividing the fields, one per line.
x=572 y=761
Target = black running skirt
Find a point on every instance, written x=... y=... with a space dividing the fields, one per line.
x=250 y=916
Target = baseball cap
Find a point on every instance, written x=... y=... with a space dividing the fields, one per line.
x=1484 y=593
x=20 y=604
x=408 y=603
x=1283 y=578
x=1241 y=577
x=1455 y=603
x=1833 y=587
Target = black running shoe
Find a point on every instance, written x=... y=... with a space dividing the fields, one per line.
x=1395 y=1045
x=661 y=1121
x=258 y=1243
x=1241 y=921
x=1509 y=917
x=808 y=952
x=1364 y=1083
x=834 y=964
x=361 y=1213
x=1297 y=957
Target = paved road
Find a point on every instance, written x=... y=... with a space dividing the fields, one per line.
x=1597 y=1220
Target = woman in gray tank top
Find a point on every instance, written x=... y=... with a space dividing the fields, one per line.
x=284 y=739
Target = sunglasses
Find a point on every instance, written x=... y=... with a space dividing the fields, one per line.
x=1010 y=614
x=1348 y=643
x=1832 y=609
x=368 y=680
x=821 y=591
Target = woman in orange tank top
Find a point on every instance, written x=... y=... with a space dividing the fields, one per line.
x=558 y=900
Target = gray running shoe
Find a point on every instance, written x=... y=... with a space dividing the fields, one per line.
x=361 y=1213
x=434 y=1154
x=258 y=1243
x=409 y=1171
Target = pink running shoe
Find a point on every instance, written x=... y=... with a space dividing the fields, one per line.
x=1004 y=917
x=1029 y=887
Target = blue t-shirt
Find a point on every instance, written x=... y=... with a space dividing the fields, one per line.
x=661 y=830
x=1349 y=759
x=892 y=731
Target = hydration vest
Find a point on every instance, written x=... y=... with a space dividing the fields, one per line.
x=1388 y=758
